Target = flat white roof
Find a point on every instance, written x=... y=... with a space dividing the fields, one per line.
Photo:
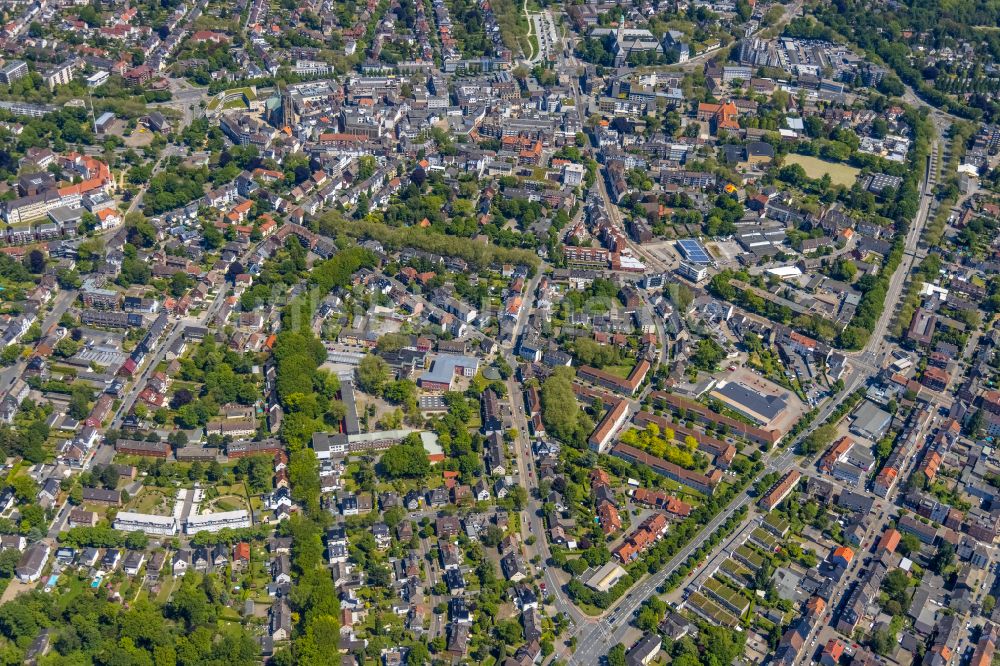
x=239 y=514
x=380 y=435
x=430 y=441
x=785 y=271
x=128 y=516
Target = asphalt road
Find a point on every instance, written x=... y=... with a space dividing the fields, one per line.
x=532 y=521
x=595 y=639
x=60 y=303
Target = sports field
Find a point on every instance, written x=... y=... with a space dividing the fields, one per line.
x=840 y=174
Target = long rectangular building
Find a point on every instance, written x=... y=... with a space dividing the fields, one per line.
x=244 y=448
x=780 y=490
x=627 y=386
x=751 y=403
x=615 y=417
x=213 y=522
x=586 y=256
x=700 y=482
x=134 y=447
x=147 y=523
x=706 y=415
x=109 y=319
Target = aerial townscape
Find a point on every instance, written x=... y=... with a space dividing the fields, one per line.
x=499 y=332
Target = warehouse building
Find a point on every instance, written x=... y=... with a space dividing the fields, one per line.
x=759 y=407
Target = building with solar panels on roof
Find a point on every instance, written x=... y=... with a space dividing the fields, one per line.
x=693 y=251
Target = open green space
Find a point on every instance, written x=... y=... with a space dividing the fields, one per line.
x=152 y=500
x=622 y=370
x=840 y=174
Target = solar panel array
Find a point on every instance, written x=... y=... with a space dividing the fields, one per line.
x=694 y=251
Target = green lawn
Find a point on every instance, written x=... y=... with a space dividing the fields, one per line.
x=152 y=500
x=69 y=588
x=622 y=371
x=228 y=503
x=588 y=609
x=840 y=174
x=231 y=103
x=167 y=584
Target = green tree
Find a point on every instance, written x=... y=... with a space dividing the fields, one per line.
x=34 y=261
x=303 y=476
x=909 y=544
x=66 y=348
x=25 y=488
x=401 y=392
x=373 y=374
x=8 y=562
x=392 y=342
x=10 y=354
x=180 y=283
x=79 y=403
x=744 y=10
x=419 y=654
x=616 y=655
x=708 y=355
x=943 y=558
x=405 y=461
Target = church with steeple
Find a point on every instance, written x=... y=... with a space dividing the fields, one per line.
x=629 y=41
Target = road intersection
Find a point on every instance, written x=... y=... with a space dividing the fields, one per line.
x=595 y=635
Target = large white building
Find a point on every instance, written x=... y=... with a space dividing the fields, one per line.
x=59 y=75
x=573 y=174
x=692 y=271
x=126 y=521
x=213 y=522
x=98 y=79
x=12 y=71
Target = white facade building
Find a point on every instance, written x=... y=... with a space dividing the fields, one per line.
x=126 y=521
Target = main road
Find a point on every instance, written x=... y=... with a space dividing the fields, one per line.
x=594 y=639
x=596 y=635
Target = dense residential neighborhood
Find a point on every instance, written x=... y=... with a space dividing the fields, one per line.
x=457 y=332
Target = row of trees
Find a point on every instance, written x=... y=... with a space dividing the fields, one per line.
x=308 y=394
x=875 y=287
x=478 y=255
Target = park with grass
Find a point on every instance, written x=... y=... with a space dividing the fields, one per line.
x=816 y=168
x=234 y=98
